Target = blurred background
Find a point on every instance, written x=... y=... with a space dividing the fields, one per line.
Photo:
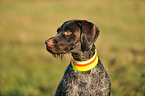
x=27 y=69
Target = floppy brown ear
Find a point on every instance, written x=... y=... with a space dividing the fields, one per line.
x=88 y=35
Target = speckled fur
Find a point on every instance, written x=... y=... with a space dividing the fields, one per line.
x=95 y=82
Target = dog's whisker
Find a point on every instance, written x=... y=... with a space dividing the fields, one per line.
x=59 y=55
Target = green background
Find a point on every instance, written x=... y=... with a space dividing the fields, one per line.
x=27 y=69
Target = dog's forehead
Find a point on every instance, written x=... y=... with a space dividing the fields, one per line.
x=70 y=25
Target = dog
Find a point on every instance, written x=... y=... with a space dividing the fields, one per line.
x=85 y=75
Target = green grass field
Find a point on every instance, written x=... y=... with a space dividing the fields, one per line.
x=27 y=69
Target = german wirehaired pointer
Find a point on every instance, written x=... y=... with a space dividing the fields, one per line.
x=85 y=75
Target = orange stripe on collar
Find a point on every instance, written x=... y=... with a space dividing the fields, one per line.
x=85 y=65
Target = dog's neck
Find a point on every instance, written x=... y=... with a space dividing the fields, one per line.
x=84 y=55
x=85 y=65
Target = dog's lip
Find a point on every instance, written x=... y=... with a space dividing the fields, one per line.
x=64 y=51
x=49 y=49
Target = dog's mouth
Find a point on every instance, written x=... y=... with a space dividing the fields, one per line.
x=55 y=53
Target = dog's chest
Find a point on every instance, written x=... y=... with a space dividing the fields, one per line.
x=85 y=83
x=79 y=83
x=82 y=83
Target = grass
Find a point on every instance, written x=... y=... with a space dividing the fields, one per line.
x=27 y=69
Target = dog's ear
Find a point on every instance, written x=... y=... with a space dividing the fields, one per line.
x=88 y=35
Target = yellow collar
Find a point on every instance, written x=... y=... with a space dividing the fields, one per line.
x=85 y=65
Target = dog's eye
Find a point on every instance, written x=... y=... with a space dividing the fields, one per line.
x=67 y=32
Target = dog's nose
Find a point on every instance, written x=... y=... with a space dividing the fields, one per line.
x=46 y=42
x=49 y=42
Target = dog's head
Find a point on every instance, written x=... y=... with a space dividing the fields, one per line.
x=73 y=36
